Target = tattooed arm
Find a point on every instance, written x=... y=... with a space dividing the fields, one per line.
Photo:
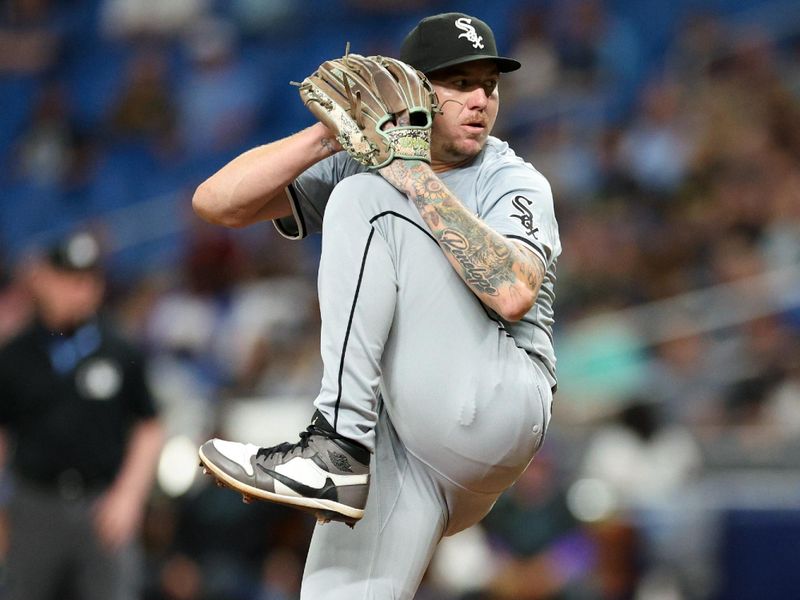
x=251 y=187
x=504 y=274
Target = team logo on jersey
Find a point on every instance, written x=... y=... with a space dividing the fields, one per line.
x=525 y=216
x=465 y=25
x=99 y=379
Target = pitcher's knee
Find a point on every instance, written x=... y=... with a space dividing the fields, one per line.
x=363 y=196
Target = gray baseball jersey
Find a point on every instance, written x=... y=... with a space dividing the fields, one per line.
x=452 y=401
x=506 y=192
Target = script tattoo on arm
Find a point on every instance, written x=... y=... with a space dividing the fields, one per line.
x=486 y=263
x=490 y=264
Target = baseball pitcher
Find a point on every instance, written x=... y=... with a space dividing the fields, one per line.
x=436 y=288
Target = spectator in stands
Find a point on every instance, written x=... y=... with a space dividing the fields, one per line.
x=138 y=19
x=600 y=51
x=657 y=148
x=29 y=40
x=45 y=153
x=645 y=464
x=219 y=99
x=540 y=549
x=643 y=458
x=145 y=110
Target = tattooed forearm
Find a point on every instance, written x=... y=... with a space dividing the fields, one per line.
x=429 y=187
x=484 y=258
x=475 y=275
x=489 y=263
x=497 y=269
x=532 y=272
x=484 y=265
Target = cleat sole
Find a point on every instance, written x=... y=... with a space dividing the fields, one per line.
x=326 y=510
x=326 y=516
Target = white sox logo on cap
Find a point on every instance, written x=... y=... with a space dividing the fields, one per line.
x=431 y=45
x=465 y=25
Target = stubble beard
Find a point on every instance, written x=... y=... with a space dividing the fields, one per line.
x=452 y=152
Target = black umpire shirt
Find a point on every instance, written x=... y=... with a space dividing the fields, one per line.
x=69 y=402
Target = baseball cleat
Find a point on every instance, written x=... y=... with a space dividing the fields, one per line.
x=323 y=473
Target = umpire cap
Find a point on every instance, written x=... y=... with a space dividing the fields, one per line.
x=78 y=252
x=450 y=39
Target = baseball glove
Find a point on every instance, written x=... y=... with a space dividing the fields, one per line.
x=379 y=108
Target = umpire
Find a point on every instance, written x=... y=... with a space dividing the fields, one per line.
x=83 y=437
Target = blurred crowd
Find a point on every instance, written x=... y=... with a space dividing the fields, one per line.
x=671 y=137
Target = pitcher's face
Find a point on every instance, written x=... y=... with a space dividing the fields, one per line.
x=469 y=100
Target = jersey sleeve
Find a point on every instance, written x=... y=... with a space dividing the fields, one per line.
x=308 y=195
x=518 y=203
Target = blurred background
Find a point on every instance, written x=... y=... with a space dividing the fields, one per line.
x=670 y=132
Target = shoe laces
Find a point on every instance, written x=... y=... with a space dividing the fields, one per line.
x=287 y=447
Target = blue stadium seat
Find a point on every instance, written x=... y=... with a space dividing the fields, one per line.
x=17 y=99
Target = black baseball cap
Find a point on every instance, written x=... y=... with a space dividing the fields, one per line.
x=77 y=252
x=450 y=39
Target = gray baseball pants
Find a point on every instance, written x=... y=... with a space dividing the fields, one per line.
x=417 y=370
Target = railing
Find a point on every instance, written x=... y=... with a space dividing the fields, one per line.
x=708 y=309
